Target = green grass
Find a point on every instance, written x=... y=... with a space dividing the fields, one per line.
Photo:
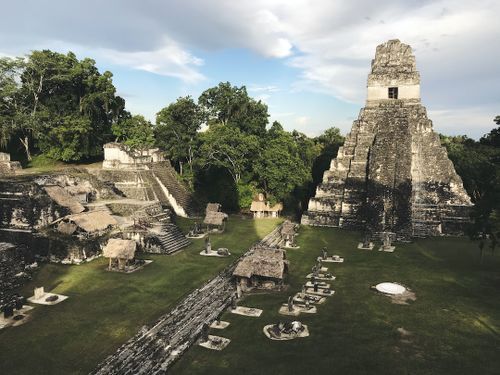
x=454 y=323
x=105 y=309
x=44 y=164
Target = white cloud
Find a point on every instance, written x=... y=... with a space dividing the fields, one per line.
x=169 y=60
x=302 y=120
x=330 y=43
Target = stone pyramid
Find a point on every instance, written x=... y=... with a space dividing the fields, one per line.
x=392 y=174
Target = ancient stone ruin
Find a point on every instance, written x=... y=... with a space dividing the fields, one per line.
x=392 y=174
x=7 y=166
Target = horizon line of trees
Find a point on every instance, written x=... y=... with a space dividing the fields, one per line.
x=56 y=105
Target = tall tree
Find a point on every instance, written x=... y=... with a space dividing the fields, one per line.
x=229 y=148
x=231 y=106
x=9 y=98
x=176 y=130
x=61 y=101
x=280 y=167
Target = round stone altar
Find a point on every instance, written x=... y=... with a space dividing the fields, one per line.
x=390 y=288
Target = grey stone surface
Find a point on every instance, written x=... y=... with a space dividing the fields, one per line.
x=392 y=174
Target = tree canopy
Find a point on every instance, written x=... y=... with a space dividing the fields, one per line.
x=62 y=106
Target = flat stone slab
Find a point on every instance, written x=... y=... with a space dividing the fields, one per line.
x=215 y=343
x=297 y=310
x=197 y=236
x=321 y=285
x=247 y=311
x=11 y=322
x=285 y=337
x=362 y=247
x=333 y=259
x=389 y=249
x=213 y=253
x=316 y=300
x=222 y=324
x=320 y=292
x=42 y=301
x=321 y=276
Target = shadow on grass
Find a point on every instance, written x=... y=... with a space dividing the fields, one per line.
x=104 y=309
x=356 y=330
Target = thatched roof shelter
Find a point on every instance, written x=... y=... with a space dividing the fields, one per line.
x=63 y=198
x=120 y=249
x=288 y=228
x=67 y=227
x=264 y=262
x=215 y=218
x=93 y=221
x=213 y=207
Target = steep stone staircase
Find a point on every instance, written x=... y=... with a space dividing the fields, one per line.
x=167 y=175
x=171 y=238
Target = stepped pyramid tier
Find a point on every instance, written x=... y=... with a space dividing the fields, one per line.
x=392 y=174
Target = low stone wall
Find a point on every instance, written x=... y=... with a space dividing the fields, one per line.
x=12 y=269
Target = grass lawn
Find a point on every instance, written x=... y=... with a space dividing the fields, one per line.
x=454 y=323
x=105 y=308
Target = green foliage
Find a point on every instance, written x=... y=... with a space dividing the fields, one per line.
x=229 y=148
x=280 y=166
x=176 y=131
x=231 y=105
x=57 y=101
x=478 y=163
x=246 y=193
x=139 y=135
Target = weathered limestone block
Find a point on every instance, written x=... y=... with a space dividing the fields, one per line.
x=392 y=174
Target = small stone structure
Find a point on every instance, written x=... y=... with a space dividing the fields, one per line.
x=286 y=331
x=12 y=270
x=262 y=208
x=288 y=232
x=392 y=174
x=119 y=156
x=215 y=219
x=262 y=268
x=120 y=253
x=7 y=166
x=41 y=297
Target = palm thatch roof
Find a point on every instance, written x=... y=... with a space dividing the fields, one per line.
x=213 y=207
x=63 y=198
x=66 y=228
x=93 y=221
x=264 y=262
x=215 y=218
x=261 y=206
x=121 y=249
x=288 y=228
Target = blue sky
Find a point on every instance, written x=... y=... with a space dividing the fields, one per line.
x=308 y=60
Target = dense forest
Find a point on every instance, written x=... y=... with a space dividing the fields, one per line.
x=222 y=144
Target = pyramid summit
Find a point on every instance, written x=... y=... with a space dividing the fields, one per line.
x=392 y=174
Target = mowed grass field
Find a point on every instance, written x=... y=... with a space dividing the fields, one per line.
x=104 y=309
x=454 y=323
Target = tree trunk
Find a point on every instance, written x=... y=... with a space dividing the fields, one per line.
x=180 y=168
x=26 y=145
